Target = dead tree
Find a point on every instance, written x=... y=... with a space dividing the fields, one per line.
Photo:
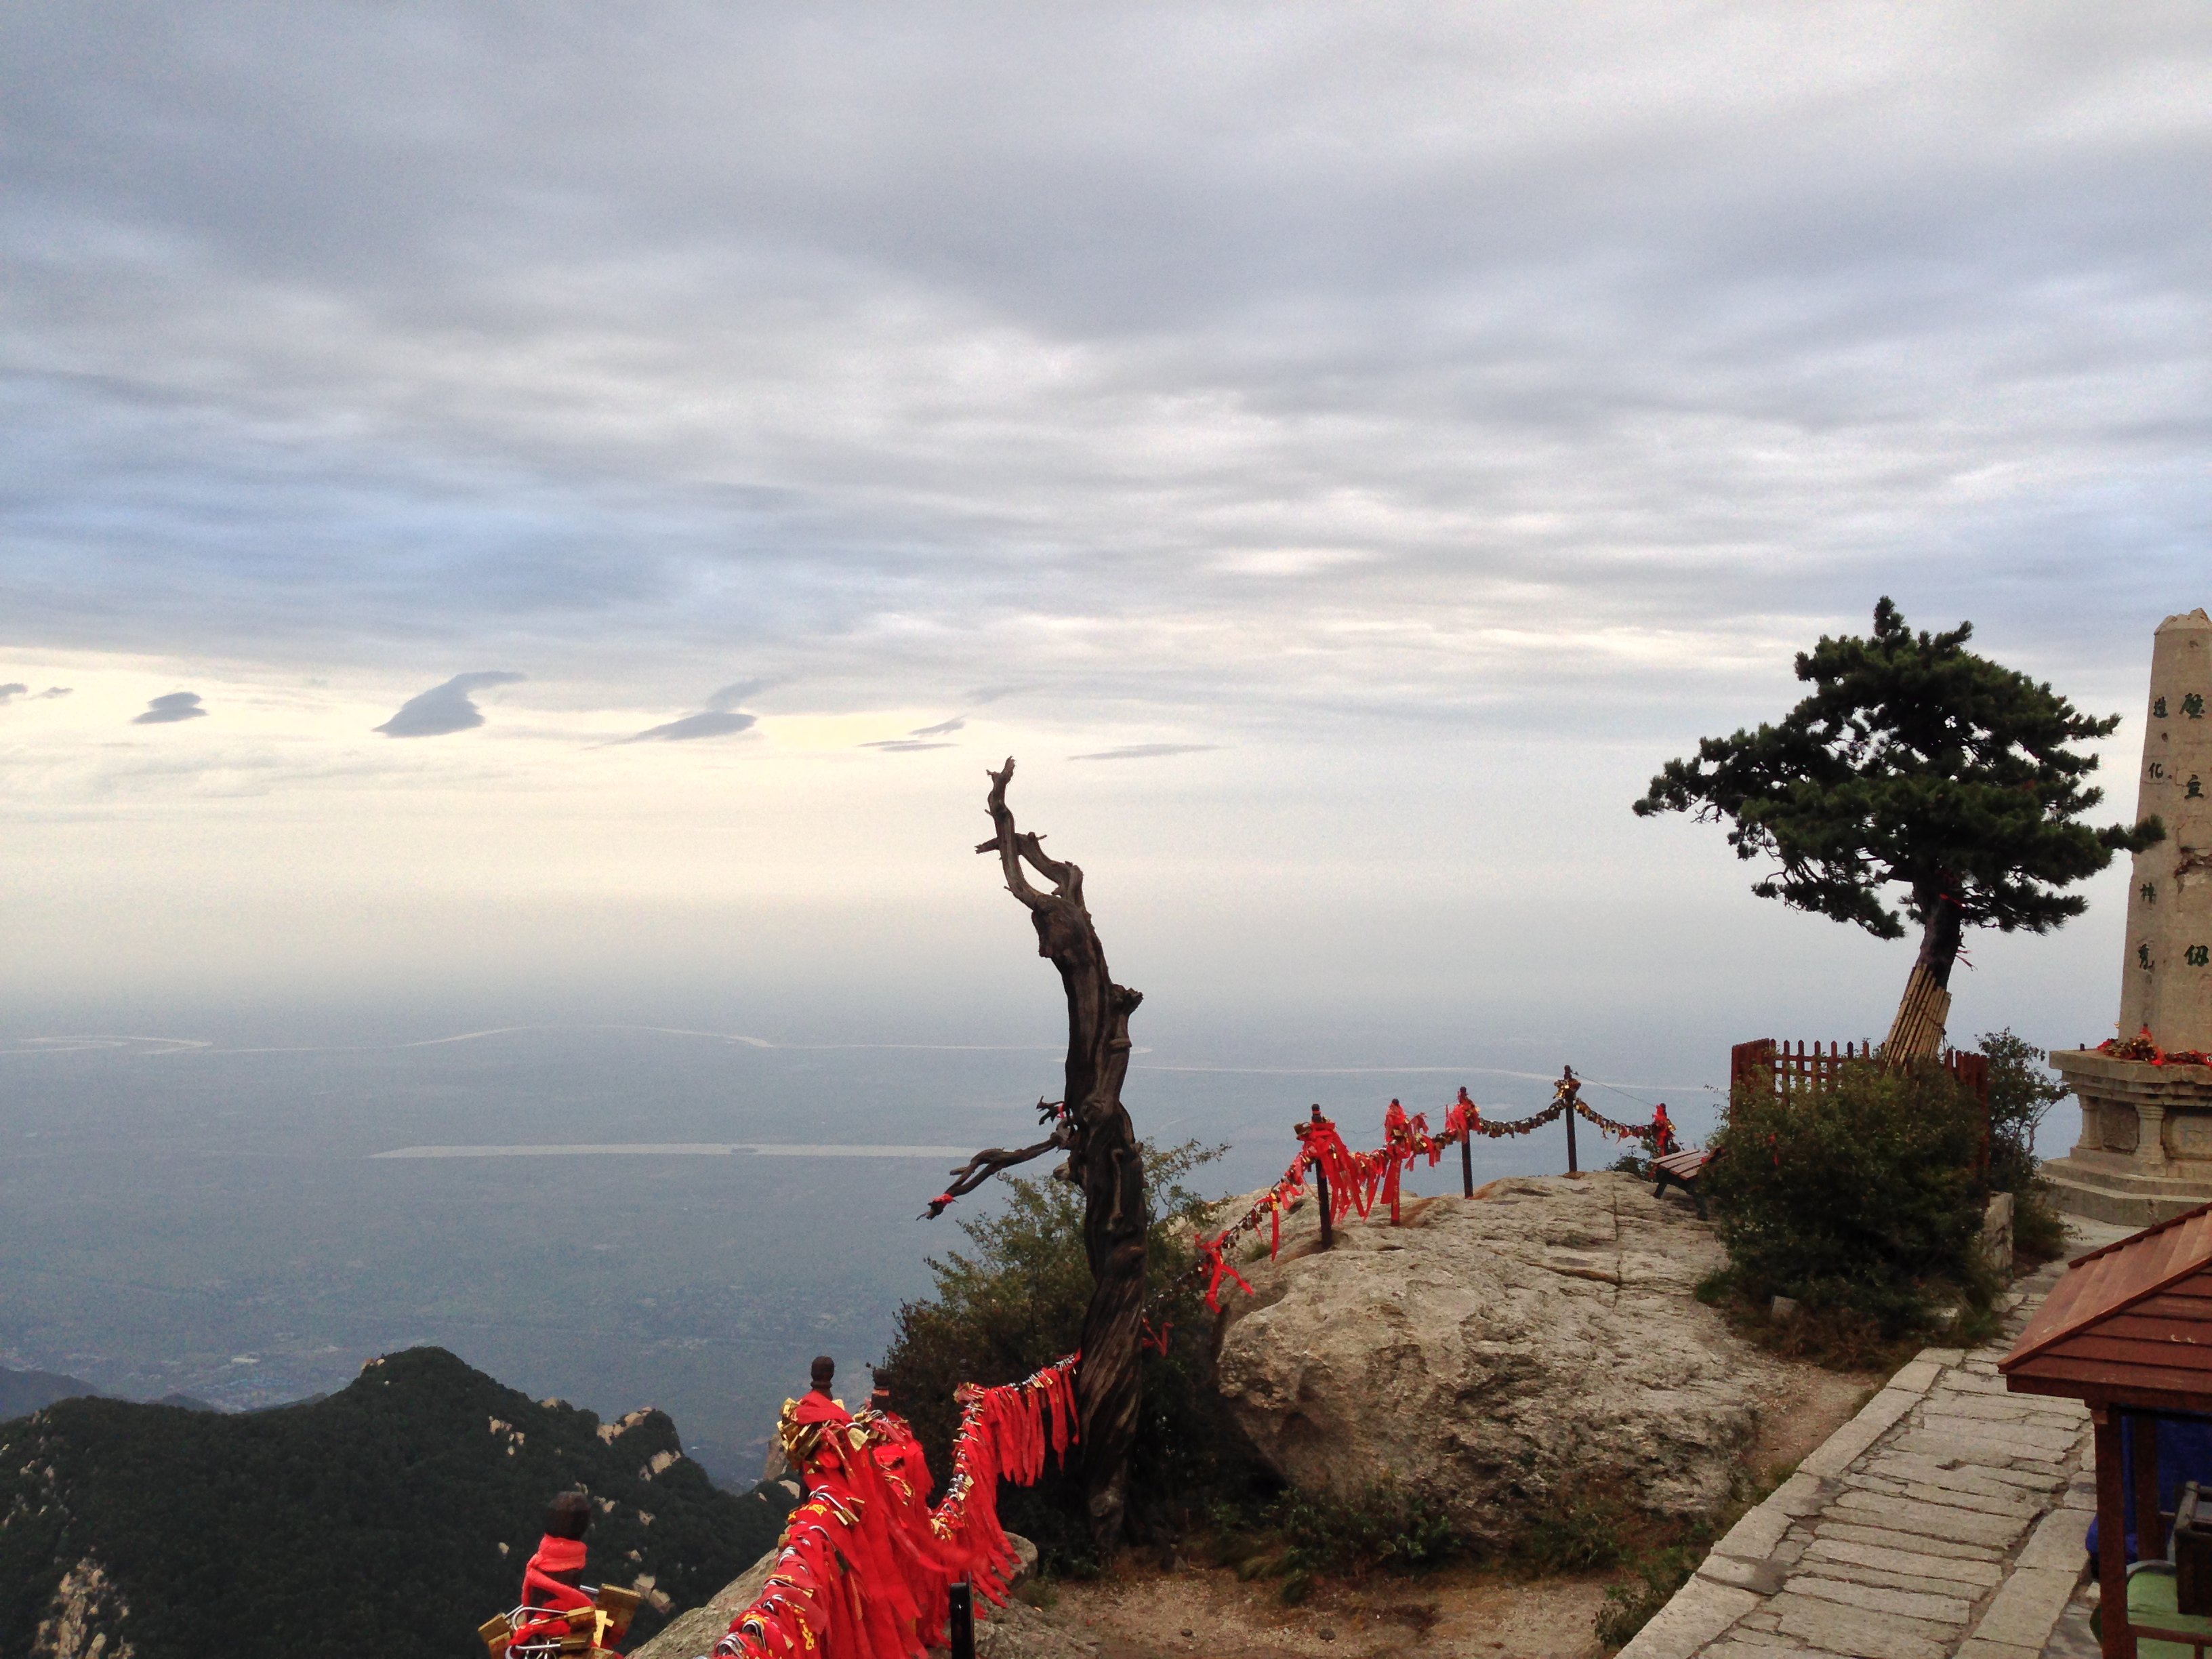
x=1102 y=1157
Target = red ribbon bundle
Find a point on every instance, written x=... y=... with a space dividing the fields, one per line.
x=1405 y=1139
x=865 y=1564
x=1352 y=1178
x=2142 y=1048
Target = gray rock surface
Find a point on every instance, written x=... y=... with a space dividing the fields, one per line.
x=1538 y=1342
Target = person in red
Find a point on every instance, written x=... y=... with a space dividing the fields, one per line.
x=551 y=1578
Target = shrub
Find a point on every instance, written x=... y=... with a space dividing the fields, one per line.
x=1386 y=1527
x=1861 y=1195
x=1628 y=1607
x=1581 y=1532
x=2021 y=1093
x=1015 y=1301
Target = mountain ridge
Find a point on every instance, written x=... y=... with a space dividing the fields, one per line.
x=395 y=1513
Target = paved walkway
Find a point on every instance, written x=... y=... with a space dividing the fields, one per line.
x=1948 y=1518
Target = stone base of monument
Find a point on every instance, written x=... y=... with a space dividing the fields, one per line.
x=2145 y=1154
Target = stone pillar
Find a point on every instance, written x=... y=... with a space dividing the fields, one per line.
x=2166 y=980
x=2146 y=1147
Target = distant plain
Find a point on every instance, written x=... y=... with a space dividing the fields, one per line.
x=186 y=1215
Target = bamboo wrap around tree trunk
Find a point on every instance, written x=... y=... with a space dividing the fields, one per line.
x=1917 y=1031
x=1103 y=1158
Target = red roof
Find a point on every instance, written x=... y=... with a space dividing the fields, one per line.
x=2132 y=1322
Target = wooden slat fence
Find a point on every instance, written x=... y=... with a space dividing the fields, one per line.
x=1779 y=1067
x=1784 y=1067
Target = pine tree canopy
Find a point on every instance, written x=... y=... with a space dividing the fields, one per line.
x=1916 y=763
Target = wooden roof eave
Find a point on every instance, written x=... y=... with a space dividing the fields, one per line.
x=2119 y=1399
x=2057 y=1320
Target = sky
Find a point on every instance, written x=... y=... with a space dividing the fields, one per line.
x=547 y=513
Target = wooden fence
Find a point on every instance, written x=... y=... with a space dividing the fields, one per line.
x=1776 y=1066
x=1783 y=1069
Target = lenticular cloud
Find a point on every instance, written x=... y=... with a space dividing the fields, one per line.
x=447 y=708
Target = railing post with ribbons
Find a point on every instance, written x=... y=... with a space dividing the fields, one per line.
x=1570 y=1093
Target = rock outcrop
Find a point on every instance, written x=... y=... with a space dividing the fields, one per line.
x=1500 y=1355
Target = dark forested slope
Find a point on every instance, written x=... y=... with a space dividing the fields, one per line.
x=373 y=1520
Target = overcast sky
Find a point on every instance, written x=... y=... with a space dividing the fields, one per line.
x=1342 y=451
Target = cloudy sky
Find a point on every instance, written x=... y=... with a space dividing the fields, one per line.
x=558 y=505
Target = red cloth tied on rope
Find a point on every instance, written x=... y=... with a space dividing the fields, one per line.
x=1404 y=1139
x=1219 y=1269
x=865 y=1564
x=1350 y=1177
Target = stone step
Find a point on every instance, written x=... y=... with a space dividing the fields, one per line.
x=2124 y=1175
x=2126 y=1200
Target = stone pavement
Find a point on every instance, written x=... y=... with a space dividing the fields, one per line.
x=1945 y=1520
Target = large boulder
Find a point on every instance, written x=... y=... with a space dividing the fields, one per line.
x=1500 y=1355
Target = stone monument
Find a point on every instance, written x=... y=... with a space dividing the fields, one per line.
x=2146 y=1147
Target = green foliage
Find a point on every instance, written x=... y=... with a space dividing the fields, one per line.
x=1386 y=1527
x=1581 y=1531
x=1015 y=1301
x=372 y=1518
x=2021 y=1093
x=2038 y=1231
x=1916 y=762
x=1628 y=1607
x=1859 y=1197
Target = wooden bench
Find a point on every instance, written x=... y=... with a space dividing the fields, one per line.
x=1682 y=1169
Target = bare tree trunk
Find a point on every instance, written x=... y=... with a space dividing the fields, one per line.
x=1103 y=1158
x=1917 y=1033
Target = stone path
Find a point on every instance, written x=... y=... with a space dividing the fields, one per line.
x=1945 y=1520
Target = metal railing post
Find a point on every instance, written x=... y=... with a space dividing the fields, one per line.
x=961 y=1617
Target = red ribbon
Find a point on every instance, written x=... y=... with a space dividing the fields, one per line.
x=1220 y=1270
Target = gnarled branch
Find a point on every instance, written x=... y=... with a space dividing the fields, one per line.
x=993 y=1160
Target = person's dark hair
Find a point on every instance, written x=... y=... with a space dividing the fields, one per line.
x=824 y=1368
x=569 y=1516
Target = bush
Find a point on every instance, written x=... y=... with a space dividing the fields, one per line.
x=1386 y=1527
x=1628 y=1607
x=2021 y=1093
x=1015 y=1303
x=1576 y=1533
x=1861 y=1195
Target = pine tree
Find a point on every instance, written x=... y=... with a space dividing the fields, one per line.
x=1915 y=764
